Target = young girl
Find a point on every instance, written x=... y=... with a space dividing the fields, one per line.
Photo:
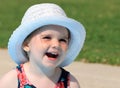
x=45 y=41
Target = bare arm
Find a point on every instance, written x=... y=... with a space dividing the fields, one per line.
x=9 y=80
x=73 y=82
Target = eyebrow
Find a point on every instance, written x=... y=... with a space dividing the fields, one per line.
x=63 y=36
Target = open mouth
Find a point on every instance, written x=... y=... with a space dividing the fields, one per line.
x=52 y=55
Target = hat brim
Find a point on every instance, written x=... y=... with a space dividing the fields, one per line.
x=76 y=29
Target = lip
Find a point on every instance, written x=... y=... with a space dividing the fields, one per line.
x=52 y=59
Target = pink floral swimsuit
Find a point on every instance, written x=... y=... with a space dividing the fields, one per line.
x=23 y=82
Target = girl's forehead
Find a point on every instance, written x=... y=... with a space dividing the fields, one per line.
x=53 y=28
x=64 y=31
x=49 y=28
x=55 y=32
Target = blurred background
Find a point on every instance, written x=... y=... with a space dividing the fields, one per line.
x=101 y=19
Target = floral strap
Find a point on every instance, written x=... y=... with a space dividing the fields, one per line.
x=22 y=79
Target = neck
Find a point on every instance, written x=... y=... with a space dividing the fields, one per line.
x=40 y=70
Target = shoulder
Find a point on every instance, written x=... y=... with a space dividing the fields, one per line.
x=73 y=82
x=9 y=80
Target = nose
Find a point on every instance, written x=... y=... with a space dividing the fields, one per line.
x=55 y=44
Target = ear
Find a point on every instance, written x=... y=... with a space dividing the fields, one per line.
x=26 y=47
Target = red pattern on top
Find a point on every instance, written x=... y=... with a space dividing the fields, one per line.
x=23 y=79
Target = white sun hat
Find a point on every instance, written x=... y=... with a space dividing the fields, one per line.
x=46 y=14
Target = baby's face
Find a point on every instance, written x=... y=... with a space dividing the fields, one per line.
x=49 y=45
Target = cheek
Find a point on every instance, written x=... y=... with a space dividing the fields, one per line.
x=65 y=47
x=36 y=52
x=37 y=46
x=35 y=42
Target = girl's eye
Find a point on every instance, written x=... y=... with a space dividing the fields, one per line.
x=46 y=37
x=63 y=40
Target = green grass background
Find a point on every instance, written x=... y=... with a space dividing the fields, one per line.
x=101 y=19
